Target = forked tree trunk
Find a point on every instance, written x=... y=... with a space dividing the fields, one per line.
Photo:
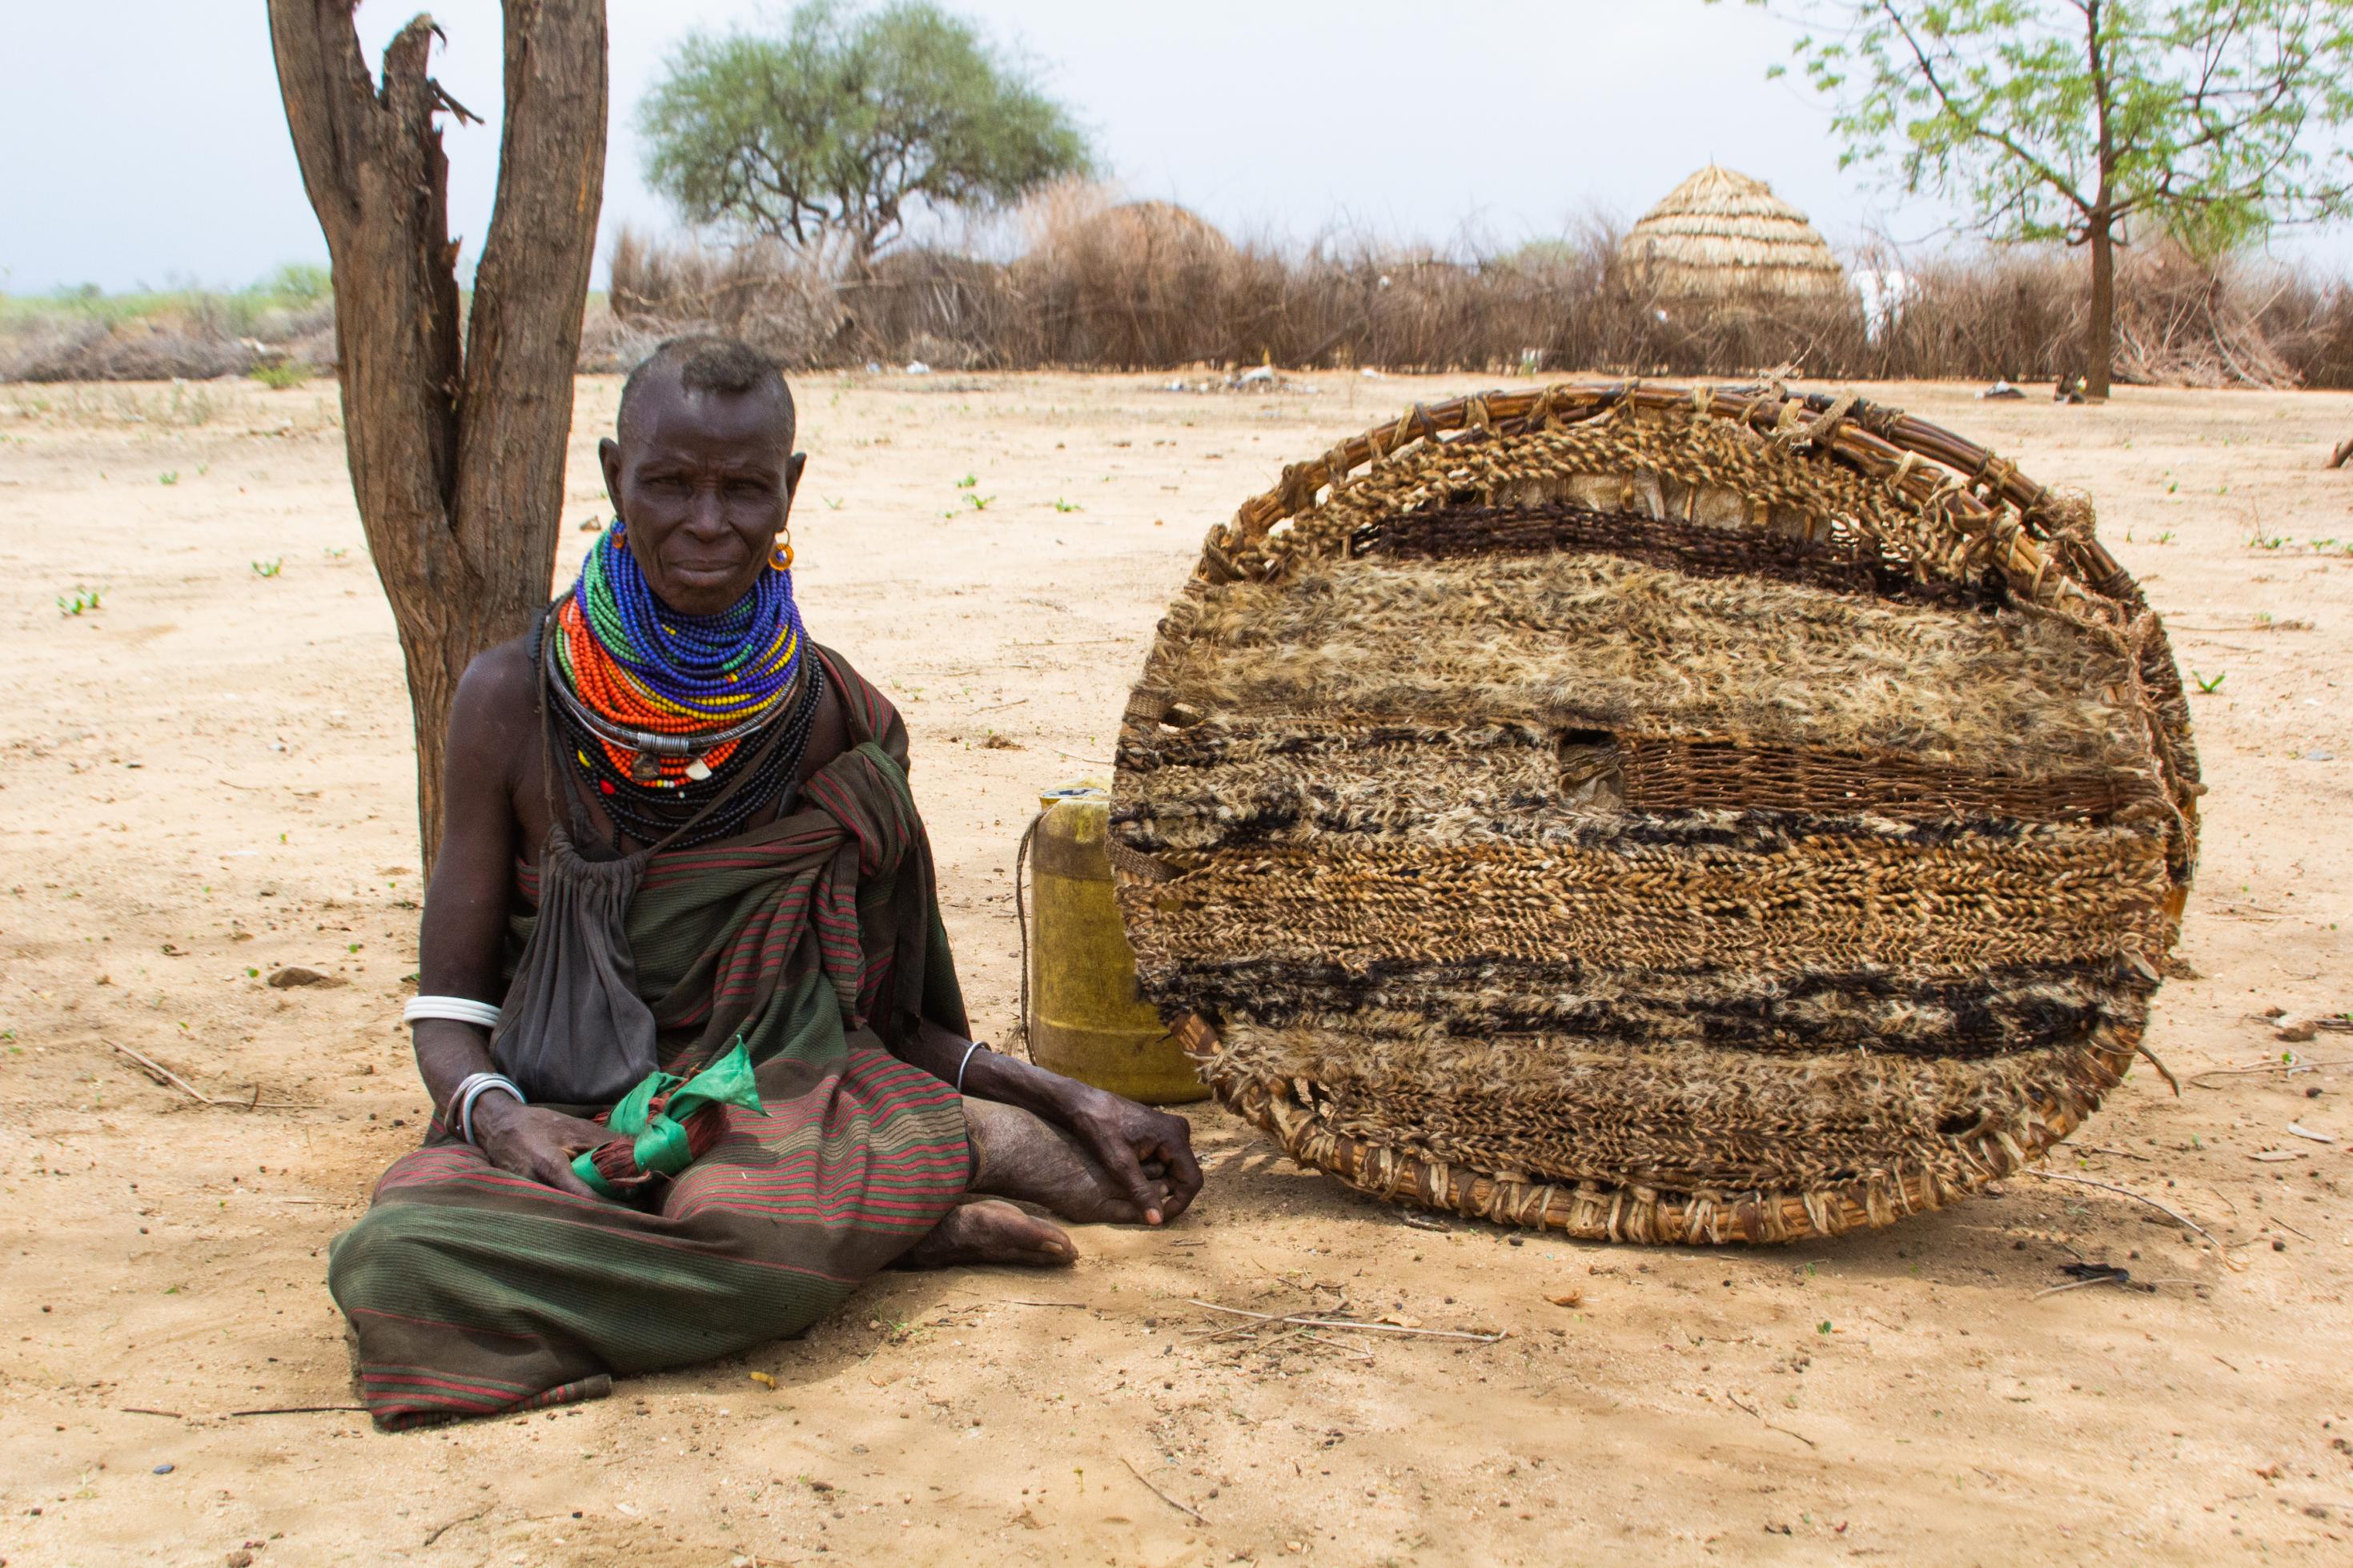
x=456 y=454
x=2100 y=330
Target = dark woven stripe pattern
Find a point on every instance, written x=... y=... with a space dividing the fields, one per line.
x=1848 y=564
x=1998 y=1012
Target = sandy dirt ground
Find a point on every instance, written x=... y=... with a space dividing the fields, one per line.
x=209 y=777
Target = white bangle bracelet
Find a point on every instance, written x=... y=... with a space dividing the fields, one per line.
x=457 y=1009
x=976 y=1045
x=474 y=1087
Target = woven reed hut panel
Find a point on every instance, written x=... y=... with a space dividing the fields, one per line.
x=1656 y=814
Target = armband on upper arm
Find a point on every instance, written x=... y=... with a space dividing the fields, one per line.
x=458 y=1009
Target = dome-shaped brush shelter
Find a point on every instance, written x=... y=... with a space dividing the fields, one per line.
x=1151 y=228
x=1142 y=283
x=1722 y=235
x=1658 y=813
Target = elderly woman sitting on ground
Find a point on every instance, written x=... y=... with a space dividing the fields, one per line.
x=689 y=1017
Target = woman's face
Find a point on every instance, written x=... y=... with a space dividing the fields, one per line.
x=703 y=483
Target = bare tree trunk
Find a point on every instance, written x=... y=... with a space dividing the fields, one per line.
x=2100 y=330
x=456 y=457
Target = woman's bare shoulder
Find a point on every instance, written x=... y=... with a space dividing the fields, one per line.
x=494 y=718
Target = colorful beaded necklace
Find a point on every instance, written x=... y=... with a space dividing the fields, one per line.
x=661 y=707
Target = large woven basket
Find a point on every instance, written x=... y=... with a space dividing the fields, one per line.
x=1659 y=813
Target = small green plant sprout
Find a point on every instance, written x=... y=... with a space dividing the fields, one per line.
x=1823 y=1327
x=281 y=376
x=978 y=503
x=270 y=568
x=1061 y=505
x=80 y=601
x=172 y=477
x=969 y=481
x=2165 y=538
x=337 y=553
x=2266 y=540
x=832 y=503
x=2207 y=686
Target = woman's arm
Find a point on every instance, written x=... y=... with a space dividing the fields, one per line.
x=492 y=723
x=1121 y=1134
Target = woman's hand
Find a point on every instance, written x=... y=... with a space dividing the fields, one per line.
x=1146 y=1151
x=534 y=1143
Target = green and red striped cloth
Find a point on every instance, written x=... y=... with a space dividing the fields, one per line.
x=817 y=943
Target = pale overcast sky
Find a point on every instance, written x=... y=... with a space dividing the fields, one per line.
x=144 y=143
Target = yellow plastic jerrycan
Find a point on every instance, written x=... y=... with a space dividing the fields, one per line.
x=1086 y=1021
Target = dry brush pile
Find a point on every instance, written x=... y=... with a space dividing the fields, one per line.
x=1149 y=287
x=286 y=322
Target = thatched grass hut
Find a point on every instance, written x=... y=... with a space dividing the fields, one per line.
x=1722 y=235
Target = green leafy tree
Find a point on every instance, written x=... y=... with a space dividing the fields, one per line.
x=2084 y=121
x=847 y=123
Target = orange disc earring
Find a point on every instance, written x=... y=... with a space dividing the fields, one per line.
x=781 y=555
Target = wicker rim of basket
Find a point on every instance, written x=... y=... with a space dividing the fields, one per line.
x=1879 y=441
x=2047 y=551
x=1598 y=1211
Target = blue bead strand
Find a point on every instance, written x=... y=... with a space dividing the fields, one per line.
x=689 y=660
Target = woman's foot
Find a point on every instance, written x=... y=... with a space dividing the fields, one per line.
x=1017 y=1155
x=989 y=1231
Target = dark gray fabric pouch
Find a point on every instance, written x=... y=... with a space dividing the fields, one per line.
x=574 y=1030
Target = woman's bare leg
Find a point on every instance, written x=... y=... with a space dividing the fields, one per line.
x=989 y=1230
x=1017 y=1155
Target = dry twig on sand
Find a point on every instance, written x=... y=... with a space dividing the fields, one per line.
x=1785 y=1431
x=2288 y=1066
x=165 y=1076
x=170 y=1079
x=439 y=1531
x=2158 y=1203
x=1155 y=1491
x=1308 y=1322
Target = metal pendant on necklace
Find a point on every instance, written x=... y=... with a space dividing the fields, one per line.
x=646 y=770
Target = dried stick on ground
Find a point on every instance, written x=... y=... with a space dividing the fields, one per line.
x=170 y=1079
x=1155 y=1491
x=1305 y=1321
x=2161 y=1206
x=457 y=458
x=165 y=1075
